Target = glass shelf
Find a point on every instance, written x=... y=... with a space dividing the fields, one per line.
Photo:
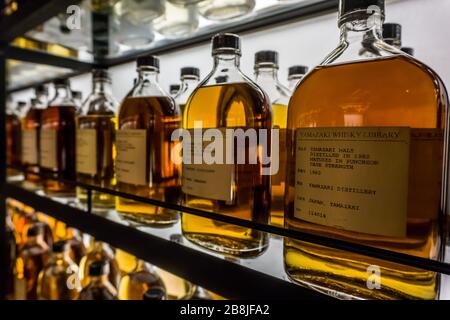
x=113 y=29
x=270 y=262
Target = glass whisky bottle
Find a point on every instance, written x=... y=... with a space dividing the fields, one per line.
x=295 y=74
x=13 y=141
x=31 y=126
x=190 y=78
x=266 y=76
x=57 y=142
x=74 y=239
x=31 y=258
x=177 y=21
x=11 y=255
x=99 y=287
x=58 y=280
x=144 y=165
x=100 y=251
x=234 y=189
x=95 y=142
x=134 y=284
x=366 y=163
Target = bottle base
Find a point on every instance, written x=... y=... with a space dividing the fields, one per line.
x=237 y=248
x=350 y=276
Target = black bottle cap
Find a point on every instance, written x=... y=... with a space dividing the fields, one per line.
x=349 y=6
x=61 y=82
x=77 y=95
x=297 y=70
x=148 y=61
x=41 y=89
x=190 y=71
x=59 y=247
x=21 y=103
x=392 y=32
x=100 y=74
x=174 y=88
x=266 y=57
x=98 y=268
x=408 y=50
x=34 y=230
x=155 y=293
x=223 y=42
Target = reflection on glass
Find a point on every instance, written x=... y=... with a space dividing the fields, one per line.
x=140 y=11
x=225 y=9
x=130 y=36
x=184 y=2
x=177 y=21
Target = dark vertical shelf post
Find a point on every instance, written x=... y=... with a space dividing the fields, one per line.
x=3 y=236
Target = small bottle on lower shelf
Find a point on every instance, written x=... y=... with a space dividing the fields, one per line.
x=59 y=279
x=134 y=284
x=31 y=259
x=99 y=287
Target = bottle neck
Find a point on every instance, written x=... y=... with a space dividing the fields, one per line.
x=102 y=86
x=144 y=266
x=266 y=73
x=361 y=27
x=63 y=92
x=226 y=61
x=189 y=81
x=147 y=75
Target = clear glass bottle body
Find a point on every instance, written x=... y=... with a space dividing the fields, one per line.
x=146 y=120
x=101 y=251
x=367 y=85
x=294 y=80
x=31 y=126
x=31 y=259
x=134 y=284
x=188 y=85
x=59 y=278
x=57 y=143
x=234 y=102
x=220 y=10
x=177 y=21
x=266 y=76
x=95 y=150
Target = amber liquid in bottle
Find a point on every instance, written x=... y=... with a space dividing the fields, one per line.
x=58 y=149
x=13 y=144
x=136 y=283
x=31 y=125
x=160 y=176
x=104 y=127
x=386 y=92
x=279 y=114
x=234 y=105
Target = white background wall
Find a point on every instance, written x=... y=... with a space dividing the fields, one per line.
x=426 y=27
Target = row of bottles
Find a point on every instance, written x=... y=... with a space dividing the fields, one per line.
x=365 y=160
x=51 y=261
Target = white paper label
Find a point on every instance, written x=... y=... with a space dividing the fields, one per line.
x=49 y=147
x=29 y=146
x=131 y=147
x=86 y=151
x=210 y=181
x=353 y=178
